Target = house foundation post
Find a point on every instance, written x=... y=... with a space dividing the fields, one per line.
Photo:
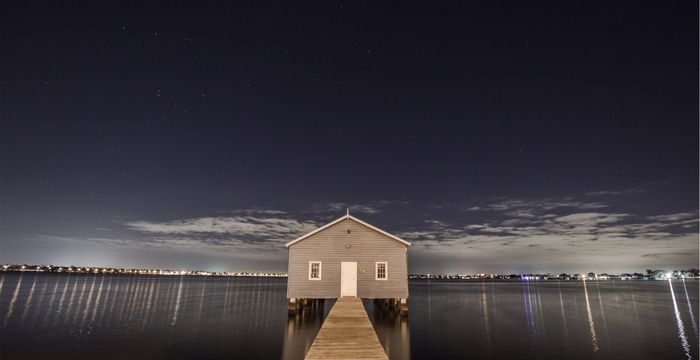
x=292 y=306
x=403 y=306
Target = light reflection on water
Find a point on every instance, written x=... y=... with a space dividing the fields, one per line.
x=594 y=338
x=88 y=316
x=679 y=322
x=690 y=309
x=563 y=314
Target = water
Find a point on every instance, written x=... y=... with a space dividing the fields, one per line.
x=116 y=317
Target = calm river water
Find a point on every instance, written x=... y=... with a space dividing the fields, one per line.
x=123 y=317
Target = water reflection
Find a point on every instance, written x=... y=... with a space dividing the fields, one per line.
x=53 y=296
x=563 y=314
x=604 y=323
x=141 y=317
x=69 y=306
x=28 y=303
x=97 y=303
x=60 y=303
x=690 y=309
x=42 y=296
x=302 y=327
x=594 y=339
x=532 y=307
x=485 y=312
x=88 y=316
x=392 y=329
x=11 y=308
x=177 y=303
x=679 y=323
x=634 y=306
x=88 y=303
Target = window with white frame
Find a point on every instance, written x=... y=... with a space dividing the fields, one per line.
x=381 y=270
x=314 y=270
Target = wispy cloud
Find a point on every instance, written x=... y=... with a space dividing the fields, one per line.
x=527 y=207
x=500 y=232
x=252 y=231
x=590 y=219
x=631 y=191
x=261 y=227
x=575 y=228
x=677 y=218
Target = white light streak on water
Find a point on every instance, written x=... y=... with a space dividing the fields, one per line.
x=690 y=309
x=39 y=307
x=60 y=302
x=201 y=305
x=485 y=311
x=153 y=289
x=114 y=298
x=105 y=300
x=602 y=313
x=53 y=296
x=80 y=303
x=529 y=316
x=11 y=307
x=563 y=315
x=88 y=304
x=177 y=303
x=679 y=323
x=634 y=306
x=28 y=303
x=594 y=339
x=125 y=297
x=150 y=312
x=97 y=304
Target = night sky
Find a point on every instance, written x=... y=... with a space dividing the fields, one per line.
x=495 y=136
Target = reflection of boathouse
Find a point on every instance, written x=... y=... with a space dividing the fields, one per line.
x=348 y=258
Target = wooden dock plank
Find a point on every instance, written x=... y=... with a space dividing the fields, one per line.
x=347 y=333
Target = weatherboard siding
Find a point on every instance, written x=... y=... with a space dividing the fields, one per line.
x=367 y=247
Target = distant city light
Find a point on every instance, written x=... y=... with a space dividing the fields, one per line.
x=148 y=272
x=650 y=274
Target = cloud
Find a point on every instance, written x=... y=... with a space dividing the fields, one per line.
x=505 y=232
x=684 y=217
x=497 y=235
x=258 y=211
x=530 y=207
x=262 y=227
x=590 y=219
x=264 y=231
x=87 y=240
x=616 y=192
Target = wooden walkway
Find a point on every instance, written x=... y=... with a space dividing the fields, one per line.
x=347 y=334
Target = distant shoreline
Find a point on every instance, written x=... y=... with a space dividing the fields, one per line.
x=284 y=276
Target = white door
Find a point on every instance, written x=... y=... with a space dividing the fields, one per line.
x=348 y=279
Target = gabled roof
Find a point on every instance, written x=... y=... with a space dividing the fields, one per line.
x=348 y=216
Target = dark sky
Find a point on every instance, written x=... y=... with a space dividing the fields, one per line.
x=495 y=136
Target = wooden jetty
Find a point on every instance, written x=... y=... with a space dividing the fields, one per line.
x=347 y=333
